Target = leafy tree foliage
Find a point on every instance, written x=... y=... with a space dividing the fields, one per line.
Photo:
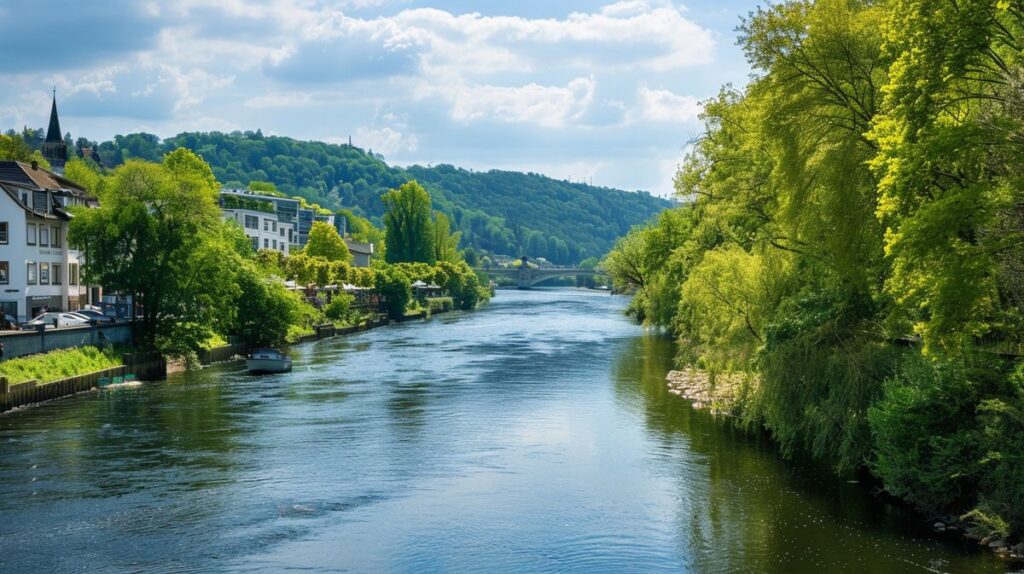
x=493 y=211
x=14 y=148
x=265 y=308
x=325 y=242
x=864 y=188
x=158 y=236
x=393 y=286
x=408 y=227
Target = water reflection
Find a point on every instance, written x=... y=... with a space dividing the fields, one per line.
x=536 y=435
x=741 y=508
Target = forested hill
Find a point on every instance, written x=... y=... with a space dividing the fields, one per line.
x=497 y=211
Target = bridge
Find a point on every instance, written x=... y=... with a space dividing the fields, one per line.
x=527 y=277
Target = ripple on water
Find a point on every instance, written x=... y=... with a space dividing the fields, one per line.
x=535 y=435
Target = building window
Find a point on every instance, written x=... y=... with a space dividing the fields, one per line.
x=255 y=243
x=54 y=237
x=266 y=225
x=274 y=243
x=282 y=231
x=44 y=273
x=30 y=238
x=55 y=280
x=3 y=233
x=44 y=236
x=273 y=226
x=252 y=222
x=72 y=274
x=32 y=279
x=266 y=243
x=5 y=272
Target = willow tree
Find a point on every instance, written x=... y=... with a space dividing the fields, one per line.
x=949 y=162
x=408 y=225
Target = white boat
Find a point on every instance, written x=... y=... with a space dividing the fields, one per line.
x=268 y=361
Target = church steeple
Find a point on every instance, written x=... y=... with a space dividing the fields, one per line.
x=54 y=149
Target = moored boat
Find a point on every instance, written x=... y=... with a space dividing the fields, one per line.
x=268 y=361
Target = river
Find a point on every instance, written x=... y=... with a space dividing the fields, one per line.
x=533 y=435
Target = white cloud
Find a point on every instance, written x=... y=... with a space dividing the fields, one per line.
x=385 y=140
x=548 y=106
x=665 y=106
x=464 y=88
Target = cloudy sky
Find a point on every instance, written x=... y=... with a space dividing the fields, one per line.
x=587 y=90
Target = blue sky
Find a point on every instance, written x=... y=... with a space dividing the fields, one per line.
x=602 y=91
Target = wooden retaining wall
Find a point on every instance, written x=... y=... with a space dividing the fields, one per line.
x=21 y=394
x=146 y=366
x=221 y=354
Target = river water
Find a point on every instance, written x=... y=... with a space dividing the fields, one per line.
x=534 y=435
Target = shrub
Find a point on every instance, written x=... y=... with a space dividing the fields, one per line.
x=440 y=304
x=339 y=307
x=950 y=437
x=393 y=286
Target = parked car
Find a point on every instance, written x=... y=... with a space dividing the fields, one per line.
x=55 y=320
x=90 y=315
x=9 y=323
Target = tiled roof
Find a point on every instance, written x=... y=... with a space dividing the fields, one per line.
x=24 y=174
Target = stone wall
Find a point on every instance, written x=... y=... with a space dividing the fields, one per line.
x=31 y=342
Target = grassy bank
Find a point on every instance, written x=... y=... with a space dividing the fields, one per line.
x=57 y=365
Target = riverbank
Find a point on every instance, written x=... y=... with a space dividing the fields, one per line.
x=546 y=413
x=724 y=394
x=43 y=377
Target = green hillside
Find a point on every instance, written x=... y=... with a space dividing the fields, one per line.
x=499 y=212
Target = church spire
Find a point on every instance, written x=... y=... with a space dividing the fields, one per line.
x=54 y=149
x=53 y=133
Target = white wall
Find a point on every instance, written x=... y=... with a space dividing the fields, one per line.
x=18 y=253
x=269 y=232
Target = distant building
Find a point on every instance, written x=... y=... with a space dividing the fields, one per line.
x=55 y=150
x=269 y=222
x=281 y=223
x=37 y=269
x=361 y=252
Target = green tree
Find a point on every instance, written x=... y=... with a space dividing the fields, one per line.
x=157 y=235
x=265 y=308
x=393 y=285
x=446 y=243
x=325 y=242
x=408 y=226
x=14 y=148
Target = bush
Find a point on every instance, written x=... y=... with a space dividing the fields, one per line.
x=393 y=286
x=265 y=309
x=950 y=437
x=440 y=304
x=339 y=307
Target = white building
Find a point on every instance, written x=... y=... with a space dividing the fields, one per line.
x=264 y=229
x=37 y=270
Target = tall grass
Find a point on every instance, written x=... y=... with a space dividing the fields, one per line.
x=57 y=365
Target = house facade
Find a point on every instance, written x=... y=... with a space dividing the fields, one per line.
x=282 y=224
x=361 y=252
x=37 y=269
